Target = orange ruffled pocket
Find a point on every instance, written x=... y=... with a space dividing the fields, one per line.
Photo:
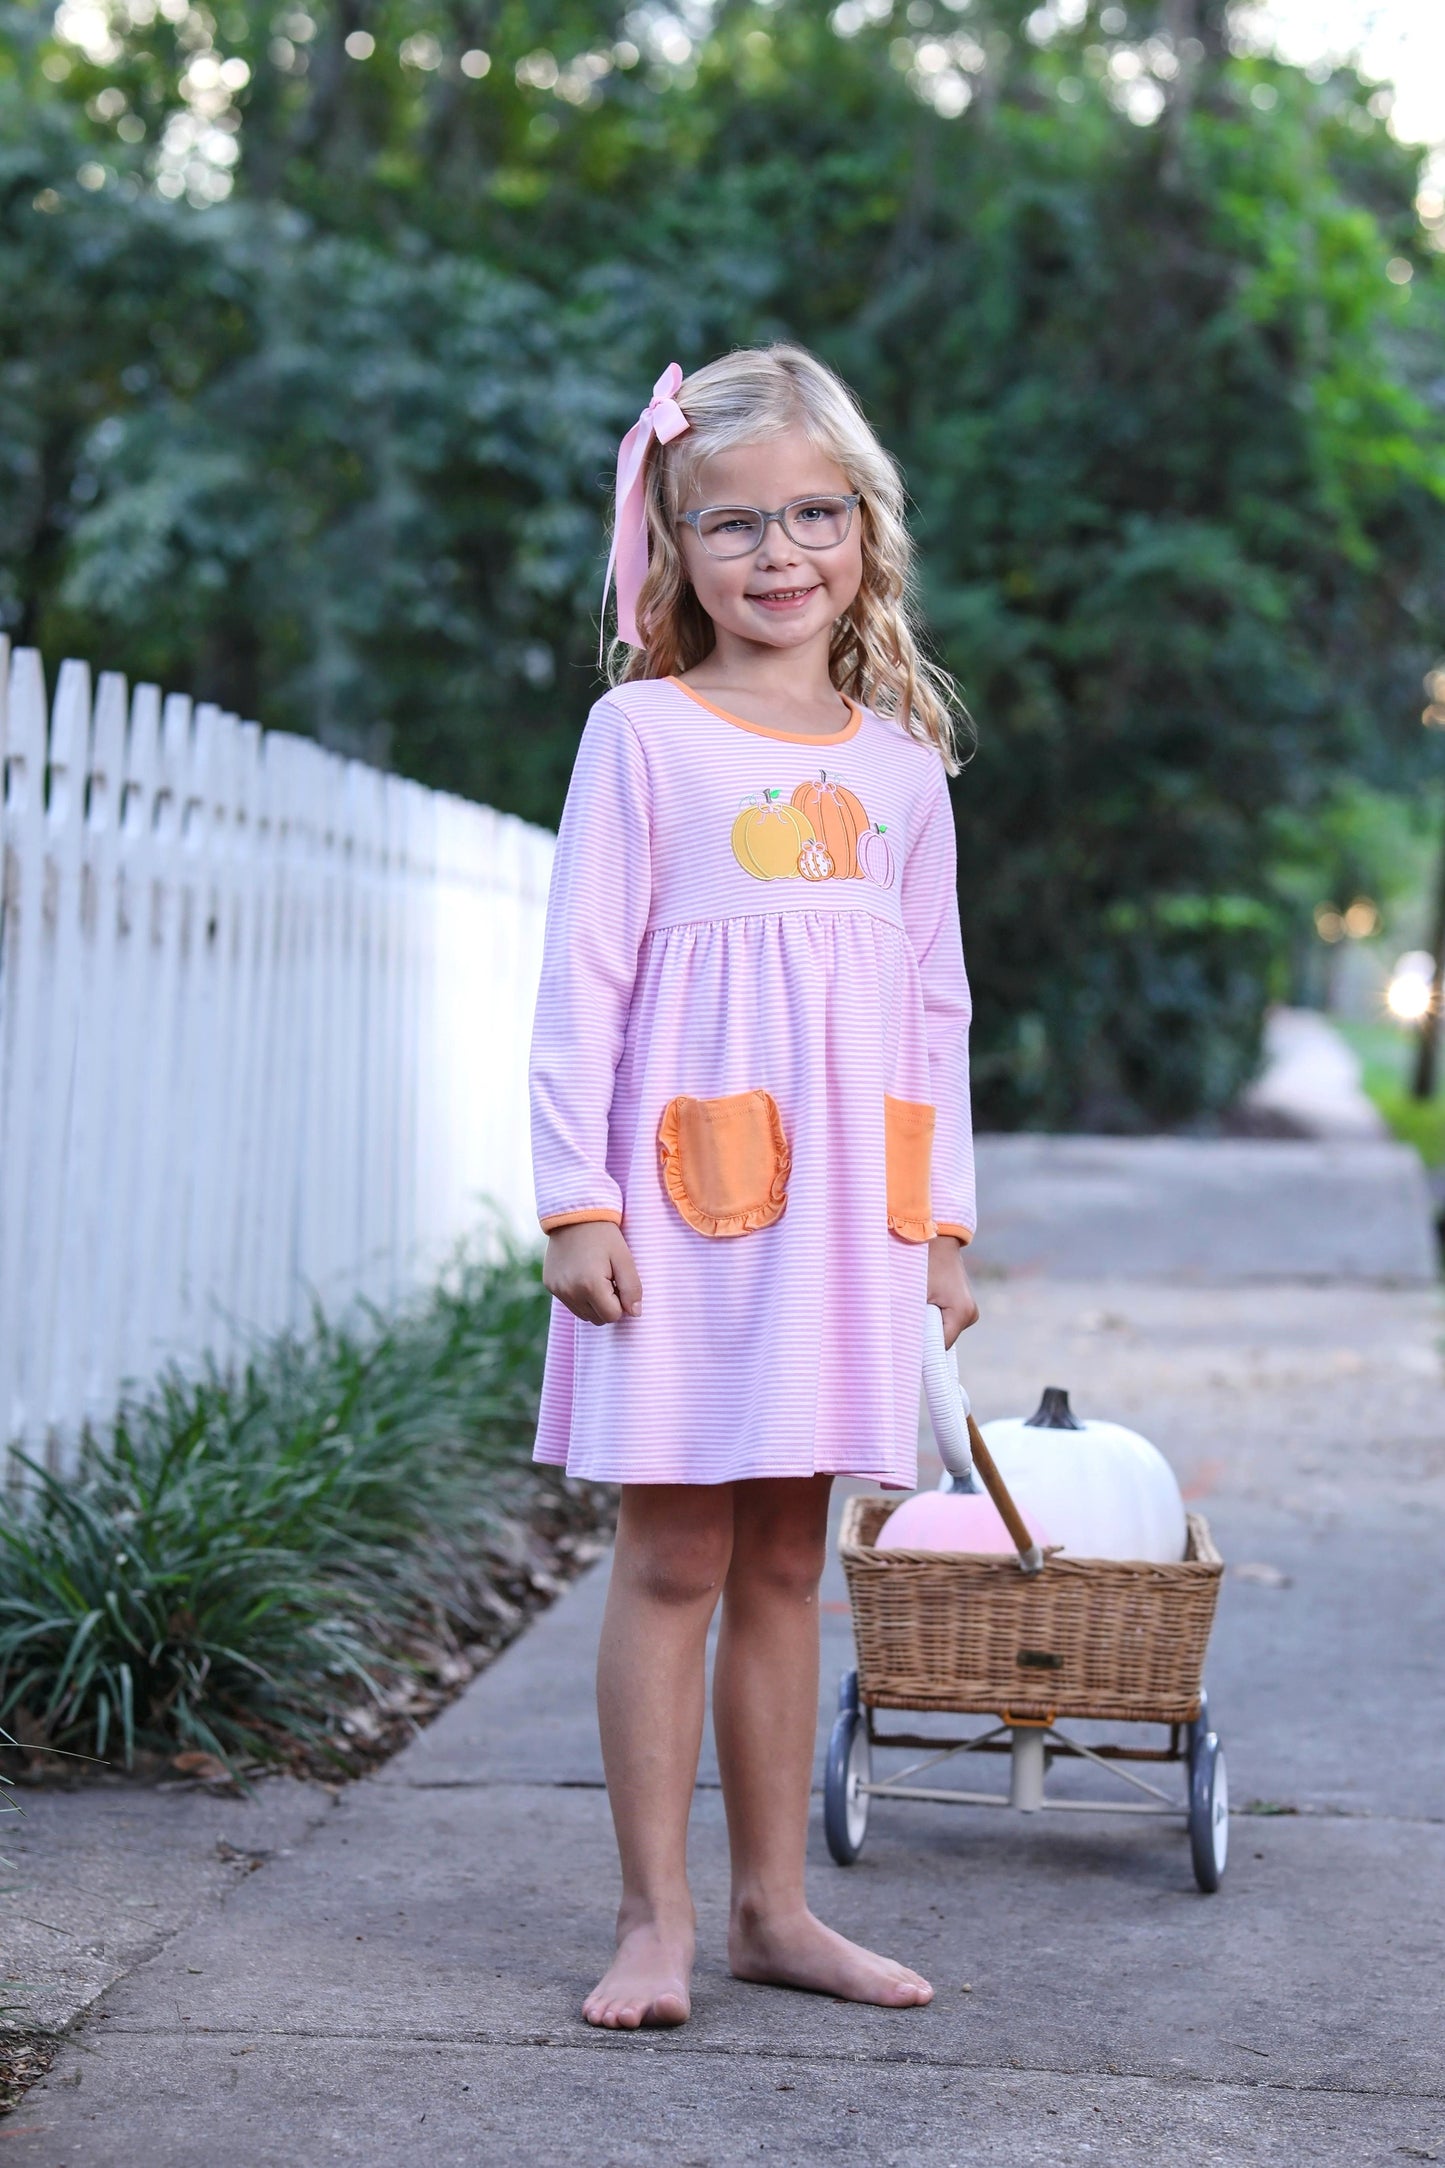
x=908 y=1147
x=725 y=1161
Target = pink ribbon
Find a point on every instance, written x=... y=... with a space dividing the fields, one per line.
x=664 y=419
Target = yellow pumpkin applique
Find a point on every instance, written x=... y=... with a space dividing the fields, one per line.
x=769 y=837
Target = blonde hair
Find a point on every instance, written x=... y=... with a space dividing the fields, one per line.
x=876 y=654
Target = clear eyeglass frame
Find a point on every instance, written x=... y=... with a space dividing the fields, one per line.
x=754 y=538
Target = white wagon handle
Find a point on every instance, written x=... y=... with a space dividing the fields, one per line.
x=961 y=1447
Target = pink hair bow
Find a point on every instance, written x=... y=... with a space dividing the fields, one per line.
x=664 y=419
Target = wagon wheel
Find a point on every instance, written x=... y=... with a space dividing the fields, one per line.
x=849 y=1767
x=1208 y=1811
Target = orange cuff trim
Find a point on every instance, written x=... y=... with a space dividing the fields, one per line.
x=912 y=1230
x=965 y=1234
x=554 y=1220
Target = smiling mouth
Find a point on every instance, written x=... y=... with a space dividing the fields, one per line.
x=783 y=594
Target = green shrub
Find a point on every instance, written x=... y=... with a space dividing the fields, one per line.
x=245 y=1547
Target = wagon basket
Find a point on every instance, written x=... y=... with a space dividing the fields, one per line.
x=1090 y=1637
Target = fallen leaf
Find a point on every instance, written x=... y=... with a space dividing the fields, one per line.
x=208 y=1767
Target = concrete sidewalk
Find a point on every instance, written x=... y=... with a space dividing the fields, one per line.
x=1311 y=1080
x=1213 y=1211
x=399 y=1982
x=1335 y=1199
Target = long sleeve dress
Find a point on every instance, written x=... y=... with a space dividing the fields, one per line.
x=750 y=1051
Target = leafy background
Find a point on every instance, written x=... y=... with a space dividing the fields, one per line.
x=313 y=361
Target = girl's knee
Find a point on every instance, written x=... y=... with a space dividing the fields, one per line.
x=783 y=1562
x=670 y=1561
x=677 y=1579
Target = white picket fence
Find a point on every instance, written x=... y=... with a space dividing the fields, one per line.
x=264 y=1020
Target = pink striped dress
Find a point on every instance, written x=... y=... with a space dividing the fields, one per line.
x=750 y=1050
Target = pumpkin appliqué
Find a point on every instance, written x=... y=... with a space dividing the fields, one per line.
x=875 y=856
x=822 y=833
x=838 y=820
x=768 y=836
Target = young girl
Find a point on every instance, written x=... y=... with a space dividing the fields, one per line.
x=750 y=1124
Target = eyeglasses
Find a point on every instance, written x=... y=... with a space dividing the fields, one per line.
x=736 y=530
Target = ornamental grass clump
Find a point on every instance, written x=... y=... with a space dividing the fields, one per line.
x=248 y=1549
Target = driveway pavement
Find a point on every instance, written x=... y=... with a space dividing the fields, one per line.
x=399 y=1981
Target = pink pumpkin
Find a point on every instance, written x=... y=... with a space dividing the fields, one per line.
x=934 y=1520
x=875 y=856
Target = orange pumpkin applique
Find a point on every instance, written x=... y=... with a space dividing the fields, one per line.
x=768 y=836
x=838 y=819
x=815 y=863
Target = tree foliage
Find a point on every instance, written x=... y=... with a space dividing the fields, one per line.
x=334 y=449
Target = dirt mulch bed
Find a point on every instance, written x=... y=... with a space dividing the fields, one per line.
x=22 y=2061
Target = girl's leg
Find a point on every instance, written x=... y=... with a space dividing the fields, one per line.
x=673 y=1544
x=765 y=1713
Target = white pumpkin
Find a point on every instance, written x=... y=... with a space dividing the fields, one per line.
x=1101 y=1490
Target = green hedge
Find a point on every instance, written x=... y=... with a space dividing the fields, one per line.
x=1165 y=385
x=245 y=1551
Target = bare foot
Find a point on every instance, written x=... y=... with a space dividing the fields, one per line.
x=647 y=1981
x=795 y=1950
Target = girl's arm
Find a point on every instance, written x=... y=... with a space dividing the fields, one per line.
x=597 y=909
x=929 y=897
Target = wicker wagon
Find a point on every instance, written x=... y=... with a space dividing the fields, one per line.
x=1085 y=1639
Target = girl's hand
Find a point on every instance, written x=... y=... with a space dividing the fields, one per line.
x=589 y=1267
x=948 y=1286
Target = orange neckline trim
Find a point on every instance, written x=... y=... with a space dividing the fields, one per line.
x=793 y=737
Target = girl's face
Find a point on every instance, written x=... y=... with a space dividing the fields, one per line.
x=782 y=594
